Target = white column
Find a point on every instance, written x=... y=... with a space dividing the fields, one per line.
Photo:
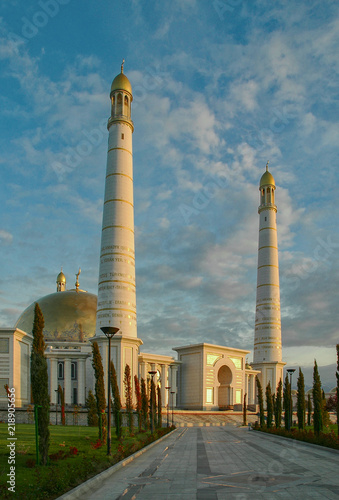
x=53 y=381
x=164 y=370
x=174 y=370
x=253 y=389
x=246 y=389
x=249 y=385
x=81 y=381
x=143 y=372
x=231 y=396
x=67 y=381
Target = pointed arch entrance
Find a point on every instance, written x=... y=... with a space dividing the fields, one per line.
x=225 y=399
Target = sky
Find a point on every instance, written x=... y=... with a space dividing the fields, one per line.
x=220 y=87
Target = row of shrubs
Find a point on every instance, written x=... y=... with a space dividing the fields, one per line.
x=330 y=439
x=52 y=481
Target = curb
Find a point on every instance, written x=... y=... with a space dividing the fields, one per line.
x=93 y=481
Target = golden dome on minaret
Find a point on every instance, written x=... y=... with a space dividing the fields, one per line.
x=61 y=282
x=121 y=82
x=267 y=178
x=61 y=278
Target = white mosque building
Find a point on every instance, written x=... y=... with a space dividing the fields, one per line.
x=201 y=376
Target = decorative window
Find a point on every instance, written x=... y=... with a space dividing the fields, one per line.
x=238 y=397
x=122 y=136
x=211 y=359
x=60 y=370
x=74 y=370
x=75 y=396
x=209 y=396
x=237 y=362
x=4 y=346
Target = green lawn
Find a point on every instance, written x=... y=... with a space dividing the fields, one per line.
x=59 y=476
x=326 y=430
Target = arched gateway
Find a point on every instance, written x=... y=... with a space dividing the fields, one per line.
x=225 y=377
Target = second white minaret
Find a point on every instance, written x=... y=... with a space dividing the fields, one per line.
x=267 y=355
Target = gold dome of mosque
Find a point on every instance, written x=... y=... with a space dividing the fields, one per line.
x=69 y=315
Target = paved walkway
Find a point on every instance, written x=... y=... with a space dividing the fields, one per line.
x=214 y=463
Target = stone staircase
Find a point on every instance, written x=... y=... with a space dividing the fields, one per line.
x=207 y=419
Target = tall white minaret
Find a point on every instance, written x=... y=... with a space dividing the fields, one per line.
x=267 y=355
x=116 y=287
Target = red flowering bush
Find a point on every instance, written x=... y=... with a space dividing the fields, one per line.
x=97 y=445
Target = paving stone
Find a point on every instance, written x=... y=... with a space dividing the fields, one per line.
x=216 y=463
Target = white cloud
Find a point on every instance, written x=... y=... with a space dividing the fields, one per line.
x=5 y=236
x=245 y=93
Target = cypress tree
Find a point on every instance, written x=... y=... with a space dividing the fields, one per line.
x=261 y=402
x=287 y=403
x=269 y=405
x=61 y=391
x=278 y=405
x=39 y=383
x=309 y=409
x=92 y=417
x=317 y=401
x=38 y=345
x=128 y=397
x=337 y=375
x=138 y=400
x=159 y=423
x=99 y=390
x=144 y=405
x=116 y=400
x=326 y=421
x=301 y=404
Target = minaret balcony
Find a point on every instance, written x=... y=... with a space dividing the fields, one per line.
x=120 y=118
x=267 y=206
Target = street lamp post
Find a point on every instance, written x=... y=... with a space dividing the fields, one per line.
x=109 y=331
x=152 y=373
x=290 y=371
x=56 y=406
x=172 y=392
x=167 y=388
